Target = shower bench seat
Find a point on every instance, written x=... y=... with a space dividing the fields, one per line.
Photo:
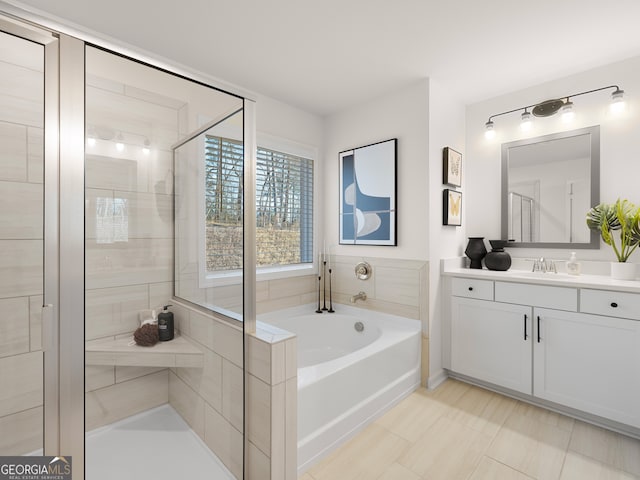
x=178 y=352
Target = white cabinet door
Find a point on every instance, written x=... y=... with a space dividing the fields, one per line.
x=588 y=362
x=492 y=342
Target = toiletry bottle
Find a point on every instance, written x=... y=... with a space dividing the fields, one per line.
x=573 y=266
x=165 y=324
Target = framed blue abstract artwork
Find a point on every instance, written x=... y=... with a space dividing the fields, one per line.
x=368 y=194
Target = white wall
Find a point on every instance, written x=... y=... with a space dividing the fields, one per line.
x=402 y=115
x=619 y=145
x=425 y=117
x=446 y=129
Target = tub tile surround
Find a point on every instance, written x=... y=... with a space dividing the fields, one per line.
x=459 y=431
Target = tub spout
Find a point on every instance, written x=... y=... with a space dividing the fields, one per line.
x=358 y=296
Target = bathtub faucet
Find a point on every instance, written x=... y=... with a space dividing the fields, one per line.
x=358 y=296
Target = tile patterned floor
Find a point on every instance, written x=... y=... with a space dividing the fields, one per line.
x=462 y=432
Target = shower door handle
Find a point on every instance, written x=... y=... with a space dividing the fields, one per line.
x=47 y=327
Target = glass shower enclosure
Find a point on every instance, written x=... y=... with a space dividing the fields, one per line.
x=91 y=143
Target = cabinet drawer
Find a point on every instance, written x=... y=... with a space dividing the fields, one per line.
x=472 y=288
x=613 y=304
x=560 y=298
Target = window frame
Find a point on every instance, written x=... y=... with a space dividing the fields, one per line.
x=233 y=277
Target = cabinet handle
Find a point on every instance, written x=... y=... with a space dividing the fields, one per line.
x=538 y=328
x=471 y=289
x=614 y=304
x=525 y=327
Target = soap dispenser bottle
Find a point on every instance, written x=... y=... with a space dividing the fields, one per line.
x=573 y=266
x=165 y=324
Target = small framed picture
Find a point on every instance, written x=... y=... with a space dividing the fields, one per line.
x=451 y=207
x=451 y=167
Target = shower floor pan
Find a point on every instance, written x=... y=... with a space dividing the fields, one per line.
x=155 y=445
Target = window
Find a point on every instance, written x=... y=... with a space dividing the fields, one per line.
x=284 y=207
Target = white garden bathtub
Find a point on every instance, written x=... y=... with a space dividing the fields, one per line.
x=347 y=378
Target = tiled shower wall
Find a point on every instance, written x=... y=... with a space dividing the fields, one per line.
x=128 y=240
x=21 y=241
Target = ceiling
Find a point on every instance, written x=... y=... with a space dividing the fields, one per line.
x=326 y=56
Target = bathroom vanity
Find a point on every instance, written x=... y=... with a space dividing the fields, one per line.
x=568 y=343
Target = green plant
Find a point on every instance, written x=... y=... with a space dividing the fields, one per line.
x=624 y=217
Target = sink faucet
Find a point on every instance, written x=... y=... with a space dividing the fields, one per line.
x=358 y=296
x=544 y=265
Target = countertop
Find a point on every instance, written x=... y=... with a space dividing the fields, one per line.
x=453 y=268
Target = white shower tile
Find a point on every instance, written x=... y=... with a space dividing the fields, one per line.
x=160 y=294
x=188 y=403
x=149 y=214
x=258 y=356
x=277 y=454
x=259 y=464
x=113 y=311
x=35 y=151
x=229 y=297
x=22 y=432
x=35 y=322
x=124 y=373
x=201 y=328
x=128 y=263
x=21 y=264
x=232 y=393
x=21 y=95
x=207 y=380
x=227 y=341
x=98 y=376
x=291 y=428
x=224 y=440
x=291 y=358
x=21 y=380
x=14 y=327
x=122 y=400
x=104 y=172
x=258 y=397
x=21 y=210
x=13 y=156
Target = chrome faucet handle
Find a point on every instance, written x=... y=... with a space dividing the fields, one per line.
x=551 y=266
x=537 y=267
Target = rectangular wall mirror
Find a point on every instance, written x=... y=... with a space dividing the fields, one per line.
x=549 y=183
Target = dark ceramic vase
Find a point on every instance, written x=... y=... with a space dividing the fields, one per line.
x=497 y=258
x=476 y=251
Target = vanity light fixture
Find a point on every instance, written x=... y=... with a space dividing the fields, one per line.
x=120 y=143
x=489 y=132
x=550 y=107
x=526 y=122
x=567 y=112
x=146 y=149
x=617 y=101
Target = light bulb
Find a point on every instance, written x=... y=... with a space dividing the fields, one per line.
x=617 y=101
x=567 y=112
x=526 y=123
x=91 y=141
x=119 y=143
x=146 y=150
x=489 y=132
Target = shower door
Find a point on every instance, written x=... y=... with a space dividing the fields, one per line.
x=28 y=260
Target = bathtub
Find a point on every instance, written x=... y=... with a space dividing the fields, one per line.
x=347 y=378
